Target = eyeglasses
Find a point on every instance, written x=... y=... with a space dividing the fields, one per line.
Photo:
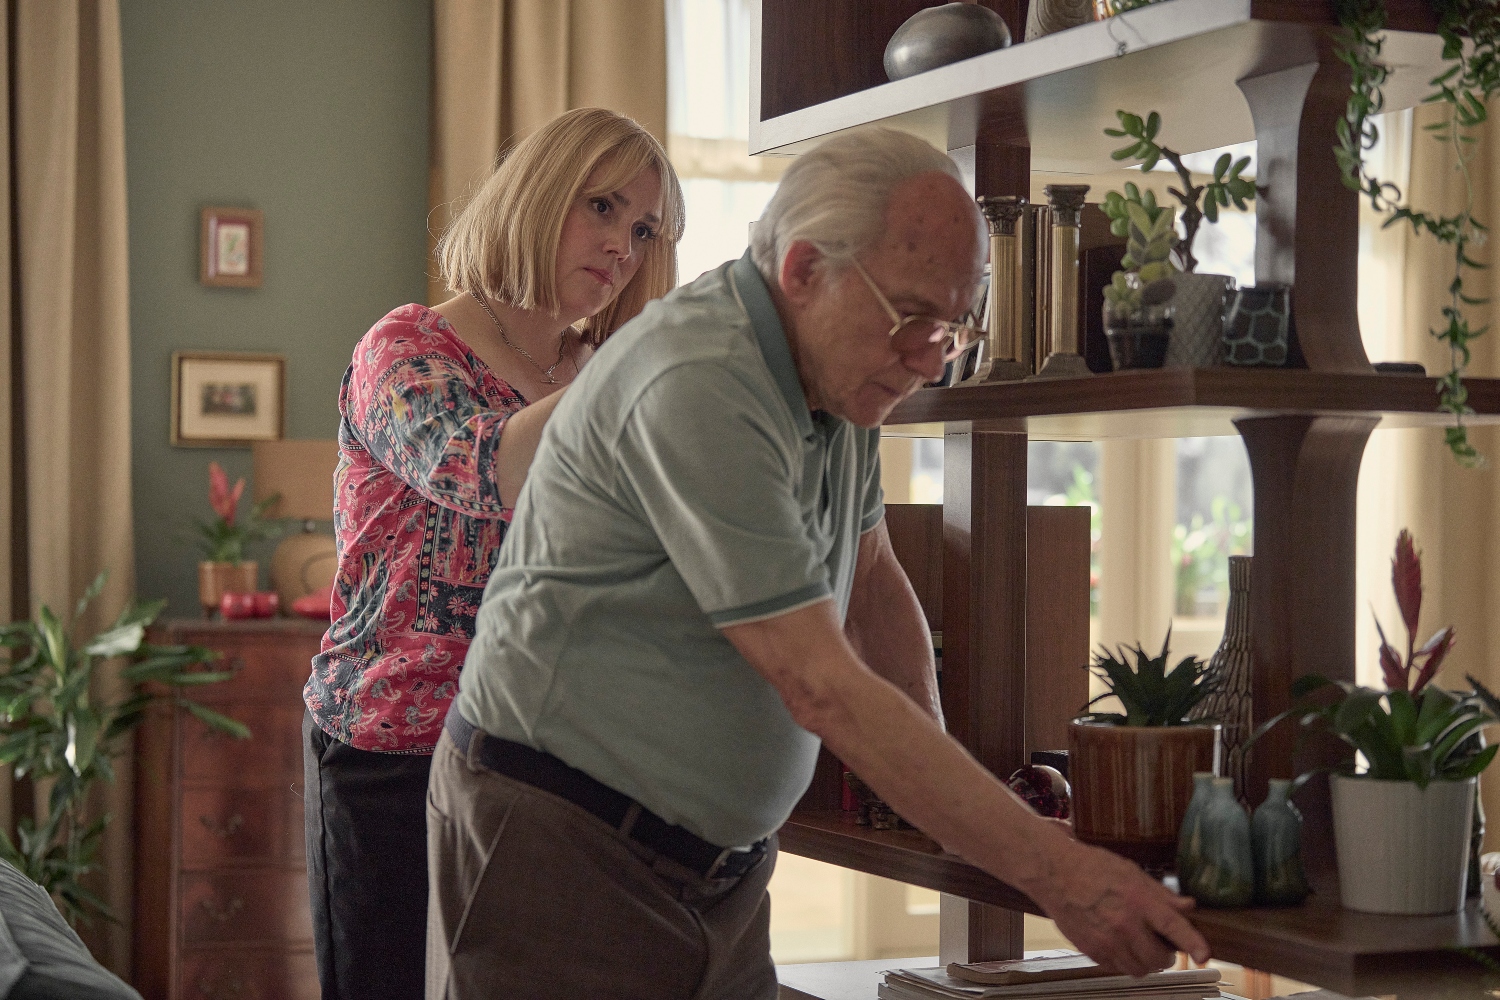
x=912 y=334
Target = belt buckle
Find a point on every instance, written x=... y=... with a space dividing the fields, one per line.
x=714 y=869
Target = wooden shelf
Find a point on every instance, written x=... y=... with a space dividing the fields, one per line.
x=1187 y=402
x=1319 y=943
x=1056 y=94
x=903 y=855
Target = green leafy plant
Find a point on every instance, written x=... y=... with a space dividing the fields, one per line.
x=1201 y=551
x=1199 y=201
x=1470 y=31
x=1149 y=693
x=1414 y=730
x=1146 y=277
x=223 y=540
x=55 y=731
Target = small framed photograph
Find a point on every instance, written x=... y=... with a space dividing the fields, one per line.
x=231 y=248
x=224 y=400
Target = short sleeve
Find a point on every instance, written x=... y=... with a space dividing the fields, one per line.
x=703 y=458
x=415 y=405
x=873 y=503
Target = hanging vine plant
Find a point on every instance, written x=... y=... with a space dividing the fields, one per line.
x=1470 y=31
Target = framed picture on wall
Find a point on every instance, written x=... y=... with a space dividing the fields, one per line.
x=230 y=252
x=225 y=400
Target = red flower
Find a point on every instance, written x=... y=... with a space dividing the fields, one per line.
x=221 y=498
x=1406 y=579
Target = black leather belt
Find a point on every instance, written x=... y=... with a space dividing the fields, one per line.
x=546 y=772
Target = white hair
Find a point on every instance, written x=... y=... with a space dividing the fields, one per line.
x=835 y=196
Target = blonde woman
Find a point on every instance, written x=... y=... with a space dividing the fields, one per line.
x=440 y=413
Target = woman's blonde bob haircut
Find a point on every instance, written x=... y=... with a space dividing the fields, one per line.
x=504 y=241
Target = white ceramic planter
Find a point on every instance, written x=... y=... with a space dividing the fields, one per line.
x=1402 y=849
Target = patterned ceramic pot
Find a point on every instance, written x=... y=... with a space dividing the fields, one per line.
x=1402 y=849
x=1198 y=319
x=1257 y=330
x=938 y=36
x=1132 y=784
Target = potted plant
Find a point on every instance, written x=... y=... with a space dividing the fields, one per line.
x=224 y=568
x=1198 y=299
x=59 y=729
x=1402 y=825
x=1132 y=770
x=1138 y=312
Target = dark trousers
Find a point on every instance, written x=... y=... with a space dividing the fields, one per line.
x=535 y=899
x=366 y=867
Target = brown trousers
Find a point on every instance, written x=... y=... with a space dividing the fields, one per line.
x=532 y=897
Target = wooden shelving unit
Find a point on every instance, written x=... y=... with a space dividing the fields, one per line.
x=1219 y=71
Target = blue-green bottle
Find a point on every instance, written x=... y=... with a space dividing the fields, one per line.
x=1225 y=874
x=1276 y=836
x=1190 y=837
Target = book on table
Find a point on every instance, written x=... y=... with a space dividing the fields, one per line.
x=1052 y=976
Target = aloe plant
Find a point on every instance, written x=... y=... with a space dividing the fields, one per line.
x=1149 y=693
x=55 y=731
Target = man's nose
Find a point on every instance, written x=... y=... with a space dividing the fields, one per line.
x=927 y=362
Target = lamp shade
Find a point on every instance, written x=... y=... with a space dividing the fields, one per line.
x=301 y=471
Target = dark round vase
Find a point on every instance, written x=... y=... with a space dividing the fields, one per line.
x=938 y=36
x=1138 y=347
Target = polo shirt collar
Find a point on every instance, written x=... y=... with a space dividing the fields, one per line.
x=766 y=323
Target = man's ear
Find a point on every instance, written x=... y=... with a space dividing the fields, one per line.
x=801 y=274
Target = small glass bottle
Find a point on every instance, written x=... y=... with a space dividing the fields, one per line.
x=1190 y=837
x=1276 y=836
x=1225 y=875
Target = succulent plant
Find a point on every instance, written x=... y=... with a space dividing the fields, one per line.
x=1149 y=693
x=1147 y=269
x=1227 y=187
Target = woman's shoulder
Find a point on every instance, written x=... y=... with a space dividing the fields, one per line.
x=405 y=333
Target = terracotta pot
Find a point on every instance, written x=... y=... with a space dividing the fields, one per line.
x=1131 y=785
x=215 y=579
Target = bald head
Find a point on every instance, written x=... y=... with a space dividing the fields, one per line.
x=932 y=225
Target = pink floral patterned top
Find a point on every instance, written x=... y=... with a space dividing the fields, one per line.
x=419 y=520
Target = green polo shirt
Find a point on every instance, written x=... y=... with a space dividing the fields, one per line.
x=681 y=485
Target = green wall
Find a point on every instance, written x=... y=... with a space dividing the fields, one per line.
x=317 y=114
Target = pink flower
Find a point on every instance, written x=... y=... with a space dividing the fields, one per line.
x=221 y=498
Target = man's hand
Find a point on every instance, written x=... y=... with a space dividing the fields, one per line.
x=1103 y=903
x=1113 y=912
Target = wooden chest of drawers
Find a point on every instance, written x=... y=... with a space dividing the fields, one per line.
x=221 y=908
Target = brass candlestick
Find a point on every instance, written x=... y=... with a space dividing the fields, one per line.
x=1064 y=359
x=1002 y=360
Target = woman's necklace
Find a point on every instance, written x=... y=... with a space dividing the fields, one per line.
x=546 y=372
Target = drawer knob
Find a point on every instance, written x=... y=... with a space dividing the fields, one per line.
x=225 y=914
x=224 y=832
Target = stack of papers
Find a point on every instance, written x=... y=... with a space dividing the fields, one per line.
x=1052 y=976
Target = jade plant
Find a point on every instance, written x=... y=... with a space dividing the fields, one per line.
x=1149 y=693
x=1470 y=32
x=58 y=731
x=1199 y=202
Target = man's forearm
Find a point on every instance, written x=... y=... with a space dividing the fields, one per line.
x=886 y=624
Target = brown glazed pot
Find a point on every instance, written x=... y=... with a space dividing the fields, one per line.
x=1131 y=784
x=215 y=579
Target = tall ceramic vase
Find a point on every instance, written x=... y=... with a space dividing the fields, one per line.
x=1229 y=672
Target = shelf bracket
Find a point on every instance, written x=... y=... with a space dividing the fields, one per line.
x=1307 y=222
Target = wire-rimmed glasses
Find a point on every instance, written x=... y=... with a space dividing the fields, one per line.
x=915 y=333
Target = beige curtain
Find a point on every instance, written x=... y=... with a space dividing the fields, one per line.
x=503 y=67
x=65 y=422
x=1409 y=479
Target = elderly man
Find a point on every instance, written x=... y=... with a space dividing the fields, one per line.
x=667 y=636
